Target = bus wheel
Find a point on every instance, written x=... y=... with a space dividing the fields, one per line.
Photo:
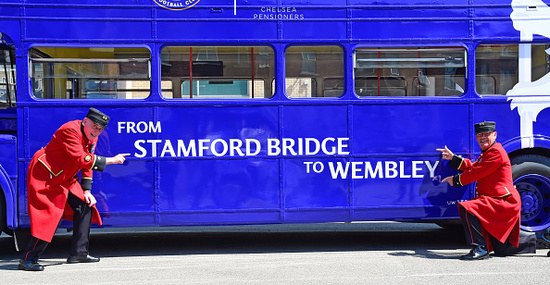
x=531 y=174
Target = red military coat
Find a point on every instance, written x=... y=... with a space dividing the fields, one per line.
x=498 y=203
x=53 y=173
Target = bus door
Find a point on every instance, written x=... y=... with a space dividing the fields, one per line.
x=8 y=128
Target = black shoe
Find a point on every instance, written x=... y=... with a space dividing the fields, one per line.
x=82 y=259
x=29 y=265
x=478 y=252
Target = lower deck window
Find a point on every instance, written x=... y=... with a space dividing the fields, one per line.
x=314 y=71
x=499 y=70
x=90 y=73
x=413 y=71
x=218 y=72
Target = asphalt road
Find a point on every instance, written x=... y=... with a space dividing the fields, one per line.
x=357 y=253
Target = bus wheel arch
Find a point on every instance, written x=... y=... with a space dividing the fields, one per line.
x=2 y=211
x=531 y=175
x=3 y=214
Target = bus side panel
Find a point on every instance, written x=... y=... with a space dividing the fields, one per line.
x=84 y=30
x=216 y=30
x=8 y=157
x=419 y=20
x=217 y=192
x=77 y=10
x=492 y=26
x=125 y=193
x=363 y=30
x=410 y=128
x=542 y=124
x=310 y=193
x=219 y=171
x=452 y=10
x=302 y=22
x=404 y=188
x=304 y=30
x=494 y=29
x=508 y=121
x=397 y=166
x=10 y=28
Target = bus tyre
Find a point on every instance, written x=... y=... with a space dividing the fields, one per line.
x=531 y=175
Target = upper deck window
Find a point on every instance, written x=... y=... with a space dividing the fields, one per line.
x=90 y=73
x=314 y=71
x=415 y=71
x=499 y=70
x=217 y=72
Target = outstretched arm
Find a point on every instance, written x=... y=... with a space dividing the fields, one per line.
x=446 y=153
x=117 y=159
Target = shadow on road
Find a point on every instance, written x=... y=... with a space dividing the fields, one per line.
x=257 y=239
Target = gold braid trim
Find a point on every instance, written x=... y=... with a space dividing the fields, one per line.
x=47 y=167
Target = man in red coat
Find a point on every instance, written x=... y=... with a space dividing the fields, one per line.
x=491 y=220
x=54 y=190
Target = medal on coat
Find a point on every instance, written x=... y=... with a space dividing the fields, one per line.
x=93 y=148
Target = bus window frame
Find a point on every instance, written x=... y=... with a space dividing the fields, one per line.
x=34 y=47
x=274 y=52
x=469 y=57
x=345 y=75
x=499 y=43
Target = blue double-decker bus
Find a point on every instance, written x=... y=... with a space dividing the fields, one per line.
x=277 y=111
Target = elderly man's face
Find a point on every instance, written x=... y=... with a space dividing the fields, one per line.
x=485 y=140
x=91 y=130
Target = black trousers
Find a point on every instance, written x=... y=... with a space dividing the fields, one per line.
x=82 y=220
x=474 y=236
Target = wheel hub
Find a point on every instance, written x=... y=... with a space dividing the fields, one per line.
x=535 y=199
x=531 y=200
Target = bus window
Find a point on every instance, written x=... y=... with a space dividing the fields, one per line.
x=7 y=76
x=498 y=69
x=90 y=73
x=314 y=71
x=410 y=71
x=217 y=72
